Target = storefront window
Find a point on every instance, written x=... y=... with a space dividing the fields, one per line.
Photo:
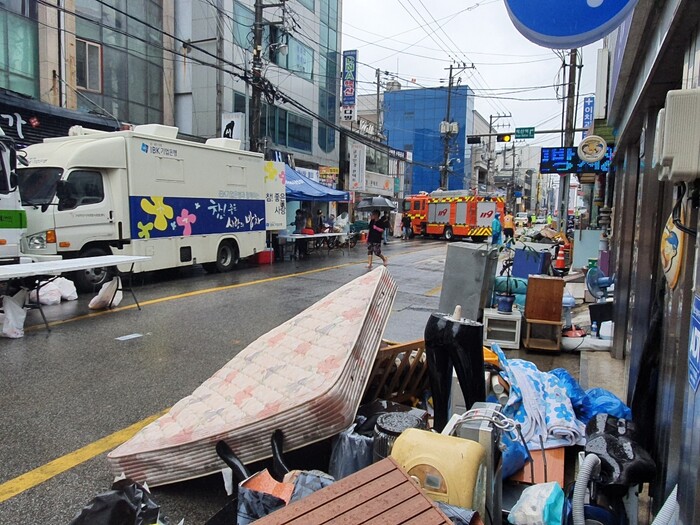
x=19 y=48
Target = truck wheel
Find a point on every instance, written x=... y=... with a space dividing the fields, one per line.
x=226 y=258
x=449 y=234
x=88 y=281
x=478 y=238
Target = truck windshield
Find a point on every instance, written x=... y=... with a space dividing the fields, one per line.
x=407 y=206
x=37 y=186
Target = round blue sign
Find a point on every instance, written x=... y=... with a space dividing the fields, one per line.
x=565 y=24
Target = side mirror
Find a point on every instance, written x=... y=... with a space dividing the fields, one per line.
x=14 y=181
x=62 y=189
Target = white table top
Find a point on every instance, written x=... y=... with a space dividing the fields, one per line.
x=15 y=271
x=314 y=236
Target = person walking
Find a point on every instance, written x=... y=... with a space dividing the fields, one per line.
x=406 y=226
x=385 y=236
x=374 y=238
x=496 y=230
x=508 y=228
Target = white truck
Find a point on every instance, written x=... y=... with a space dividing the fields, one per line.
x=13 y=219
x=144 y=192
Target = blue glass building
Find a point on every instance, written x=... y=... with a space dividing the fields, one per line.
x=412 y=123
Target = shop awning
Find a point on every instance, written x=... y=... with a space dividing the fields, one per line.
x=300 y=188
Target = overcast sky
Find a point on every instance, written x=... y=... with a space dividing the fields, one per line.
x=415 y=40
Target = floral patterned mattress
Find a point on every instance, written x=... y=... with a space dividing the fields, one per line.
x=305 y=377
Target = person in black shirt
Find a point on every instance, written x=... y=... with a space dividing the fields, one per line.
x=374 y=238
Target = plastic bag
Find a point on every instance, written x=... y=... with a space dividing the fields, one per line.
x=515 y=455
x=67 y=288
x=15 y=314
x=539 y=504
x=602 y=401
x=49 y=294
x=104 y=296
x=127 y=502
x=306 y=482
x=351 y=452
x=458 y=515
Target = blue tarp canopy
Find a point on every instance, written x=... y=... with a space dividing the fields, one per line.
x=300 y=188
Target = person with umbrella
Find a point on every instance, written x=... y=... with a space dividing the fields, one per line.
x=374 y=238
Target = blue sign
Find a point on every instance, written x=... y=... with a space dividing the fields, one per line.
x=349 y=77
x=566 y=160
x=694 y=346
x=588 y=107
x=184 y=216
x=565 y=24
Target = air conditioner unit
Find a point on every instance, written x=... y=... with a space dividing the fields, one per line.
x=680 y=149
x=658 y=168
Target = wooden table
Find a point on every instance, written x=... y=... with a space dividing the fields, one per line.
x=381 y=494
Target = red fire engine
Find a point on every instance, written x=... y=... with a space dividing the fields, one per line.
x=452 y=214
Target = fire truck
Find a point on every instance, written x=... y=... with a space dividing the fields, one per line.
x=452 y=214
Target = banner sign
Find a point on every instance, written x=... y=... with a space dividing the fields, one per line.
x=356 y=177
x=328 y=175
x=566 y=160
x=560 y=24
x=349 y=96
x=233 y=126
x=588 y=109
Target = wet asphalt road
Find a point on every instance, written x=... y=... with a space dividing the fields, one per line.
x=63 y=391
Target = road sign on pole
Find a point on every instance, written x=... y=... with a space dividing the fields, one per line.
x=524 y=133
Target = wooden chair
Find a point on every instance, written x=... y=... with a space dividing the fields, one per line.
x=400 y=372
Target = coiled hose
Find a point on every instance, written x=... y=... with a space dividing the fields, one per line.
x=590 y=463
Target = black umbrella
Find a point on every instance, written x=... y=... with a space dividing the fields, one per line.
x=375 y=203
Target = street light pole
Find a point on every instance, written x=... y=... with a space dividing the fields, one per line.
x=446 y=137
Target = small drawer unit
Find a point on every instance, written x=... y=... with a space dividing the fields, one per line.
x=502 y=328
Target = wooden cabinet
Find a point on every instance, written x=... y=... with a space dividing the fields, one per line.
x=543 y=310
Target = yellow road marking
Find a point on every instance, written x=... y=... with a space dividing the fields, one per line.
x=434 y=291
x=35 y=477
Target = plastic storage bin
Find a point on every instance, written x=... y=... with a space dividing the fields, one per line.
x=530 y=262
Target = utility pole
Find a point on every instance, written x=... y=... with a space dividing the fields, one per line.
x=257 y=81
x=512 y=191
x=492 y=119
x=379 y=126
x=444 y=169
x=565 y=181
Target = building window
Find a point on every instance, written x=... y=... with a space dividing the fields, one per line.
x=88 y=70
x=299 y=58
x=19 y=57
x=299 y=132
x=308 y=4
x=129 y=79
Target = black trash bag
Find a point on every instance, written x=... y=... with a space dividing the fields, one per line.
x=623 y=461
x=127 y=503
x=352 y=452
x=253 y=505
x=454 y=343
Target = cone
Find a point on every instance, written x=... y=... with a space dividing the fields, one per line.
x=560 y=263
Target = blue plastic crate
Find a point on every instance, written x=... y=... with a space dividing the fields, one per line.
x=530 y=262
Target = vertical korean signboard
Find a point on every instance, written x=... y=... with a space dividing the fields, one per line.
x=347 y=112
x=588 y=108
x=358 y=153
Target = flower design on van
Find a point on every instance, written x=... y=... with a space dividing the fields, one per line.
x=186 y=220
x=162 y=211
x=145 y=230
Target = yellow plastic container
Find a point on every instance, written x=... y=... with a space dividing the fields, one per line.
x=448 y=468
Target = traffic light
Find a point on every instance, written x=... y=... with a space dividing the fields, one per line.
x=504 y=137
x=474 y=139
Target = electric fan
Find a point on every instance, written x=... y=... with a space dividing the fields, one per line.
x=598 y=283
x=570 y=329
